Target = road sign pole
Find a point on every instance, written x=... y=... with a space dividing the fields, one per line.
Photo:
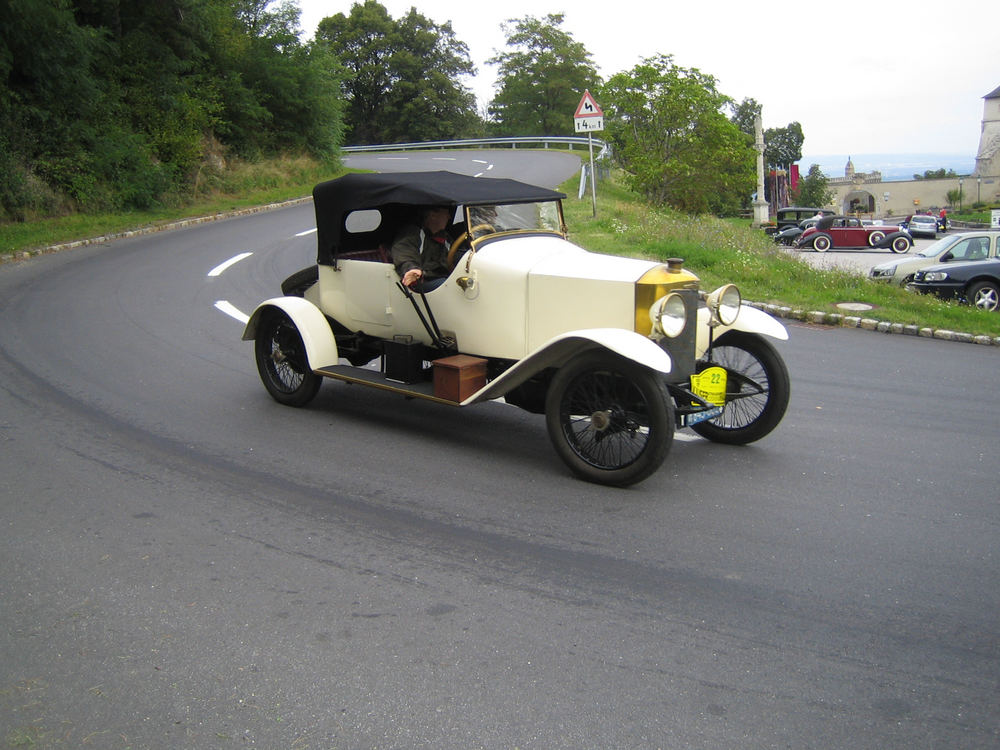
x=593 y=175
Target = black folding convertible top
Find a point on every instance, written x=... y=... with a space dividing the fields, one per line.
x=398 y=195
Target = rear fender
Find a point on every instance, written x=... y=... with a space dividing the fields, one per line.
x=321 y=346
x=750 y=320
x=561 y=349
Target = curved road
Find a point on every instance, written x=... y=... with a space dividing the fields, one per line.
x=187 y=564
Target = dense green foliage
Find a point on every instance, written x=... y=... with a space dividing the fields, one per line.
x=116 y=104
x=670 y=134
x=936 y=174
x=542 y=76
x=402 y=77
x=813 y=189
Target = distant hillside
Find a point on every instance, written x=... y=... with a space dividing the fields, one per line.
x=892 y=166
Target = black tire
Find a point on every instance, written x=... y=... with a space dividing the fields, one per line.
x=281 y=360
x=875 y=237
x=296 y=284
x=757 y=389
x=900 y=245
x=821 y=243
x=610 y=419
x=985 y=295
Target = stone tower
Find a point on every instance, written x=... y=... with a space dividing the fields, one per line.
x=988 y=156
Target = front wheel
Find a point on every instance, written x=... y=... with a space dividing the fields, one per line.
x=609 y=419
x=757 y=389
x=875 y=237
x=282 y=362
x=822 y=243
x=985 y=295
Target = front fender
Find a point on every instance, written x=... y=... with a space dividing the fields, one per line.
x=318 y=338
x=558 y=350
x=750 y=320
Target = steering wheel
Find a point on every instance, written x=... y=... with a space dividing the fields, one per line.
x=463 y=237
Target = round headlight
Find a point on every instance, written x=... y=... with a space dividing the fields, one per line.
x=668 y=315
x=724 y=304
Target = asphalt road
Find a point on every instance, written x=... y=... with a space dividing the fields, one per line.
x=187 y=564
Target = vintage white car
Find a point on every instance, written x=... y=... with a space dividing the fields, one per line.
x=616 y=352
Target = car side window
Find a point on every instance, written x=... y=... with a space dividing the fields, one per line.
x=973 y=248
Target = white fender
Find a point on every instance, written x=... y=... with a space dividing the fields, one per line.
x=558 y=350
x=321 y=346
x=750 y=320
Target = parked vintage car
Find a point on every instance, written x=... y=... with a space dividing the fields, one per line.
x=791 y=234
x=974 y=282
x=848 y=231
x=792 y=216
x=966 y=246
x=616 y=352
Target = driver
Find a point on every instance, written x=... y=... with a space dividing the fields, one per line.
x=420 y=253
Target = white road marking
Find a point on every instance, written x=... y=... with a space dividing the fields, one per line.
x=308 y=231
x=231 y=262
x=232 y=311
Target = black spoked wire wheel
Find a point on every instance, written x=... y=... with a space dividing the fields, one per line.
x=282 y=362
x=609 y=419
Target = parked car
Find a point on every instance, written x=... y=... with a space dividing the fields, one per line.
x=967 y=246
x=616 y=352
x=973 y=282
x=789 y=235
x=921 y=225
x=848 y=231
x=789 y=217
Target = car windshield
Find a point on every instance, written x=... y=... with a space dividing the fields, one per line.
x=937 y=248
x=541 y=216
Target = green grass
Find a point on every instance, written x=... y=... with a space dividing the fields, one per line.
x=730 y=250
x=718 y=250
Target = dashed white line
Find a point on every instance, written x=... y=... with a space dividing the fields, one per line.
x=231 y=262
x=232 y=311
x=308 y=231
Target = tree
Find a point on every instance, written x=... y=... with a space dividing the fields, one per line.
x=936 y=174
x=783 y=146
x=745 y=116
x=813 y=189
x=540 y=79
x=402 y=79
x=670 y=134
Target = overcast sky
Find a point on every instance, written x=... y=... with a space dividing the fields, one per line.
x=886 y=77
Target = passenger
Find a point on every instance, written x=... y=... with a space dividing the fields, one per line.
x=420 y=253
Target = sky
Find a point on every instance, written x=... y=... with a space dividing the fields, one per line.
x=891 y=77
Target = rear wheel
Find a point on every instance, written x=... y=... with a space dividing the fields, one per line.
x=609 y=419
x=757 y=389
x=282 y=362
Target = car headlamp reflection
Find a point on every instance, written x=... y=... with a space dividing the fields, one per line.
x=668 y=315
x=724 y=305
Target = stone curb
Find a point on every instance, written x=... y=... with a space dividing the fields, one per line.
x=779 y=311
x=870 y=324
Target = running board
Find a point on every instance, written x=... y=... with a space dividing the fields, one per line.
x=376 y=379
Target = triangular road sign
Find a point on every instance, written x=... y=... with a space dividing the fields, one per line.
x=588 y=107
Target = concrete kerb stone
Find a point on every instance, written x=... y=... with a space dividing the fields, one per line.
x=181 y=224
x=870 y=324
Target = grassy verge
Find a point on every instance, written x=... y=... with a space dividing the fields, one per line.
x=244 y=186
x=729 y=250
x=717 y=250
